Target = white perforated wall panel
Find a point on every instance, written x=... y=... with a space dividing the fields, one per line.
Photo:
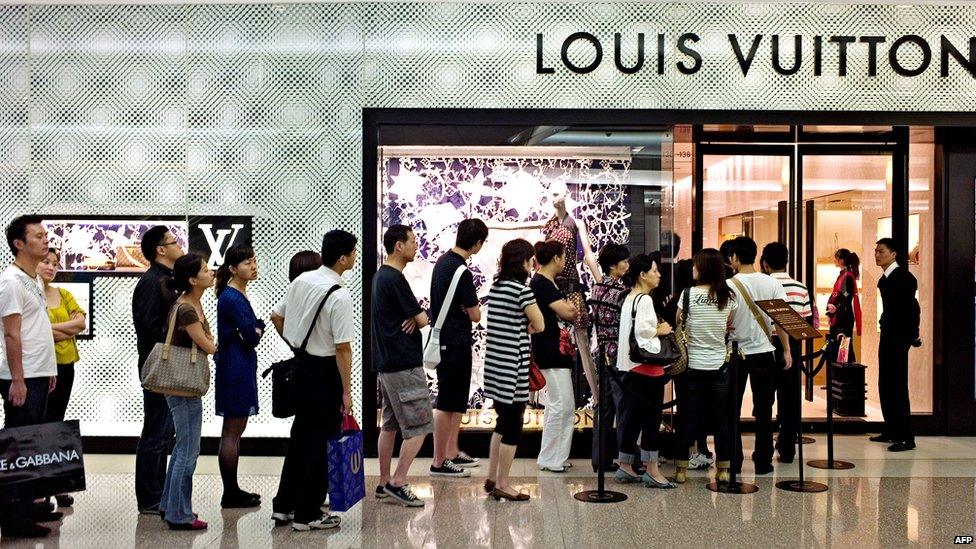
x=256 y=110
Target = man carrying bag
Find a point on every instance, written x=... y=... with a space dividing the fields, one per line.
x=753 y=332
x=322 y=380
x=28 y=369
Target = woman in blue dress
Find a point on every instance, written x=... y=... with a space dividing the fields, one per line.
x=236 y=389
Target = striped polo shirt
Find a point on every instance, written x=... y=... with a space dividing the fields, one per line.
x=797 y=295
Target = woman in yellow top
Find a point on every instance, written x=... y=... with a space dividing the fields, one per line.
x=67 y=321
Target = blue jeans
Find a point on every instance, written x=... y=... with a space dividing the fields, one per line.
x=176 y=504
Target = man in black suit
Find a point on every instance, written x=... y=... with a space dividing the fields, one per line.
x=899 y=332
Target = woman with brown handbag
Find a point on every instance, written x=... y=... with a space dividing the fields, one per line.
x=189 y=327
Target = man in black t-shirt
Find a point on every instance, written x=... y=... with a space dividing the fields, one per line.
x=454 y=371
x=398 y=361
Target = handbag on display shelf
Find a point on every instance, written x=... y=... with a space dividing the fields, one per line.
x=173 y=370
x=347 y=480
x=283 y=372
x=669 y=353
x=432 y=350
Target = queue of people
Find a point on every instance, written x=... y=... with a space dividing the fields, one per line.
x=529 y=324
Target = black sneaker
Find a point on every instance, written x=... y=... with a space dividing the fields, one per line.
x=463 y=460
x=381 y=493
x=448 y=469
x=403 y=495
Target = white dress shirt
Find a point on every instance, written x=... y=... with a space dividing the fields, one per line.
x=298 y=307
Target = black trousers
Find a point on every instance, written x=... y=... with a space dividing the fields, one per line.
x=893 y=387
x=509 y=422
x=305 y=473
x=787 y=400
x=31 y=413
x=640 y=415
x=760 y=371
x=57 y=401
x=706 y=398
x=700 y=439
x=155 y=442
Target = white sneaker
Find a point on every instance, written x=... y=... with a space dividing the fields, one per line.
x=700 y=461
x=281 y=519
x=322 y=523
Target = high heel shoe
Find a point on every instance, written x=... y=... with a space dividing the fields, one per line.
x=489 y=486
x=500 y=495
x=681 y=472
x=723 y=471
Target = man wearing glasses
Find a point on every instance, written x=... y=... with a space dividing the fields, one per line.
x=151 y=302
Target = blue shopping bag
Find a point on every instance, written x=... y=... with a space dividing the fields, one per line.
x=347 y=480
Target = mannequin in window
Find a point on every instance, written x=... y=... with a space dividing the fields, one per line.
x=573 y=234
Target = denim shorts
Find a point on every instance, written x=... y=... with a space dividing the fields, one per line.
x=406 y=402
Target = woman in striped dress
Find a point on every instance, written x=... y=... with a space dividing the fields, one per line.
x=512 y=316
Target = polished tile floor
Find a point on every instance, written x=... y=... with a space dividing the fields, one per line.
x=923 y=498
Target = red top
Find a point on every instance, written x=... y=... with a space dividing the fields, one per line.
x=649 y=370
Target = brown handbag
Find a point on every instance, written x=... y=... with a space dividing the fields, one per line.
x=176 y=371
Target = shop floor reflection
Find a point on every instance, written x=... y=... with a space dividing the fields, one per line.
x=923 y=500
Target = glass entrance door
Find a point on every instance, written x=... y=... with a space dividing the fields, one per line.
x=846 y=201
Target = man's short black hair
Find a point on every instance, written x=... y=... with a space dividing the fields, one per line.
x=889 y=243
x=745 y=249
x=17 y=230
x=470 y=233
x=727 y=249
x=151 y=240
x=776 y=255
x=611 y=254
x=396 y=233
x=335 y=244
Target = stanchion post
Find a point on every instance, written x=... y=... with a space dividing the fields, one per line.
x=801 y=485
x=601 y=494
x=830 y=462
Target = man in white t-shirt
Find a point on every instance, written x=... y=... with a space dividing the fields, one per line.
x=28 y=368
x=752 y=330
x=317 y=309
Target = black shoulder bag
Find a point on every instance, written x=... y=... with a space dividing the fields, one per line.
x=283 y=372
x=669 y=353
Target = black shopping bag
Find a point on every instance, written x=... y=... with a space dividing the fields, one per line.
x=40 y=460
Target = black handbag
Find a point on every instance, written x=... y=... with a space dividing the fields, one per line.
x=669 y=353
x=283 y=386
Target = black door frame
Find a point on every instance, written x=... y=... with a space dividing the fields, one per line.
x=953 y=356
